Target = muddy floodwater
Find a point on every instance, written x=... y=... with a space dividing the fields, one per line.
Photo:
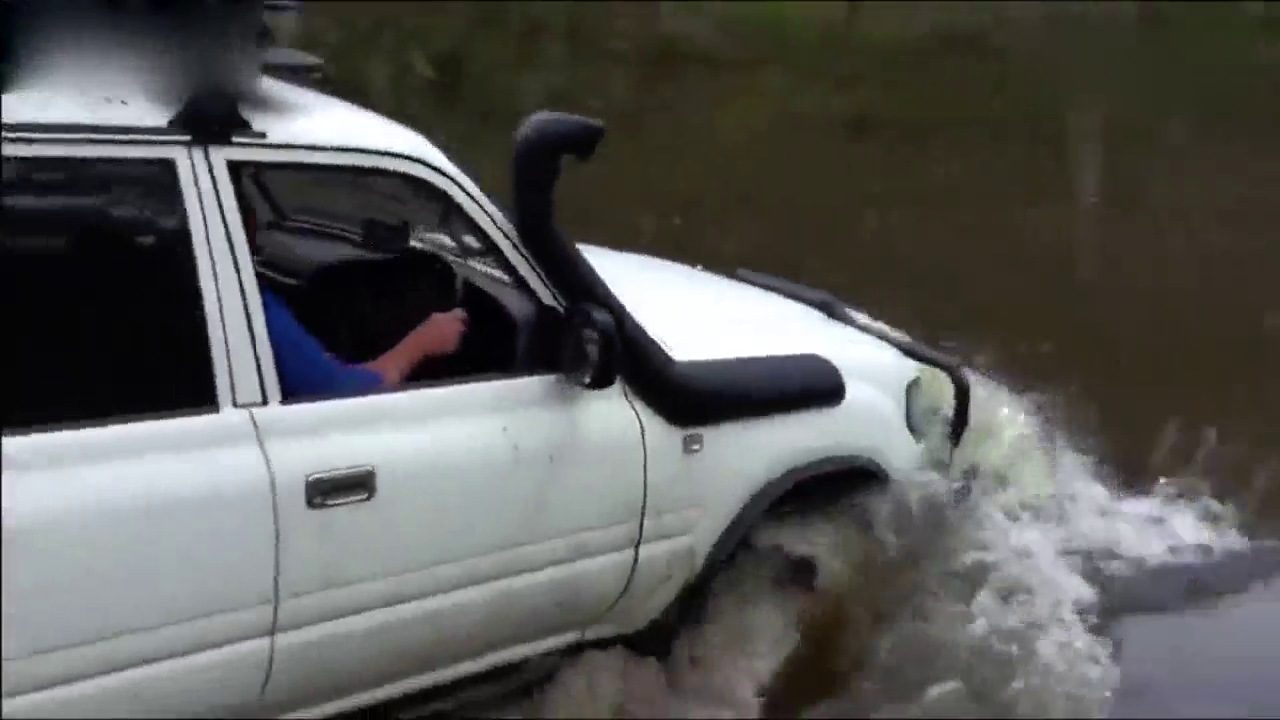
x=1082 y=199
x=1226 y=658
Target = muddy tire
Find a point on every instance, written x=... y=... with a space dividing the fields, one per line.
x=815 y=496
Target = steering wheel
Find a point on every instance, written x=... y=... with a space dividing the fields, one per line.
x=359 y=309
x=466 y=359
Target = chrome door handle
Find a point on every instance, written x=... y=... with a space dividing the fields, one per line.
x=344 y=486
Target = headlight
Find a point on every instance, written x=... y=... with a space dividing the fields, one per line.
x=930 y=403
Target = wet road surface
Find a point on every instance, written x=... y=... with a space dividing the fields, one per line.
x=1220 y=662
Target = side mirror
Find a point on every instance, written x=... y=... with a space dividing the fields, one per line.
x=589 y=354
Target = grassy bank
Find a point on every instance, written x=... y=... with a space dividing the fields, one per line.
x=736 y=70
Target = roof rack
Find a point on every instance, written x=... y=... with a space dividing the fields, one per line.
x=211 y=115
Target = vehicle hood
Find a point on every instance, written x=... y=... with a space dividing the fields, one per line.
x=699 y=315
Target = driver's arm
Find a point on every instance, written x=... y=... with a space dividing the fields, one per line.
x=306 y=369
x=439 y=335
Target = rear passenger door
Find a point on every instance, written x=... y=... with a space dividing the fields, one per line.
x=139 y=540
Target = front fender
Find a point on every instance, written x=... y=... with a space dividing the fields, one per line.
x=702 y=504
x=831 y=306
x=747 y=466
x=858 y=469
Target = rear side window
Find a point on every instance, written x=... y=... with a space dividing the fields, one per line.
x=103 y=316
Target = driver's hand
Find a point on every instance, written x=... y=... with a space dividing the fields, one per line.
x=441 y=333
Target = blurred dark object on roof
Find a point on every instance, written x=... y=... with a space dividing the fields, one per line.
x=205 y=40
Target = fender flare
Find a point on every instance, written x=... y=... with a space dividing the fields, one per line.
x=656 y=638
x=753 y=511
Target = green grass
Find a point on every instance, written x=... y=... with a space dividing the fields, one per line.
x=463 y=68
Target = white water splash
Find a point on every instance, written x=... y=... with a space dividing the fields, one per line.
x=986 y=607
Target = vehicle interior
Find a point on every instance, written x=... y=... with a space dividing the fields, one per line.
x=359 y=281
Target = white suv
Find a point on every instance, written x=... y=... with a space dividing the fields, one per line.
x=178 y=540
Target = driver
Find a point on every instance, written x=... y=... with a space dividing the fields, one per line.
x=306 y=369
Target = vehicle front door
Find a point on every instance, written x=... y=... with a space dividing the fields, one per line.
x=474 y=519
x=139 y=542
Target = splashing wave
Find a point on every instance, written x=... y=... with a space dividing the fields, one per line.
x=930 y=603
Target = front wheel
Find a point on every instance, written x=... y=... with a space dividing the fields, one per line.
x=746 y=643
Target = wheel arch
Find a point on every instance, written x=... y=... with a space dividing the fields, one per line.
x=813 y=484
x=810 y=485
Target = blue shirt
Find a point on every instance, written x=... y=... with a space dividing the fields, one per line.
x=305 y=368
